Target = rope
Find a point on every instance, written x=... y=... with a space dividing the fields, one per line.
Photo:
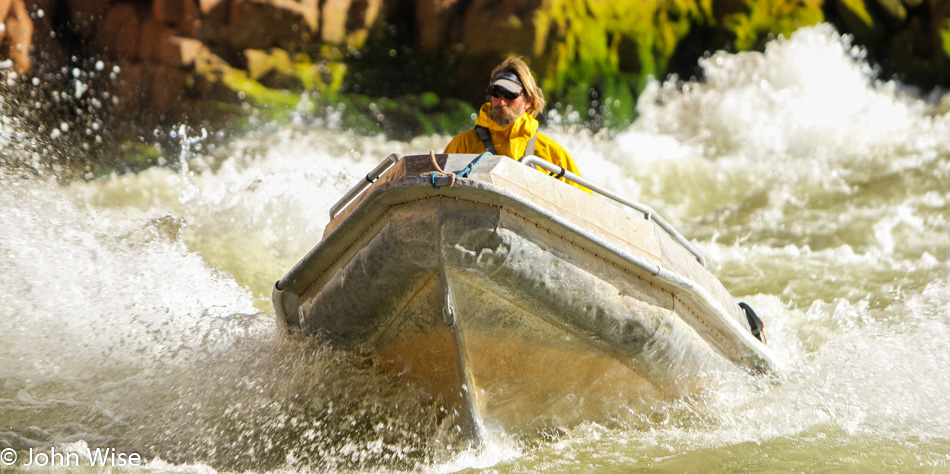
x=439 y=172
x=471 y=166
x=463 y=173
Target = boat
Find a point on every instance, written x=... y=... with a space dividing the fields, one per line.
x=517 y=300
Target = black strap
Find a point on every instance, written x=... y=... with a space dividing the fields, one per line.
x=486 y=139
x=485 y=136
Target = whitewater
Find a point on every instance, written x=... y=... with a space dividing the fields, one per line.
x=135 y=309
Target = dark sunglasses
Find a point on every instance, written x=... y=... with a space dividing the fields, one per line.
x=498 y=92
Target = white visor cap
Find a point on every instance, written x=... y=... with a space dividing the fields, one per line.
x=508 y=81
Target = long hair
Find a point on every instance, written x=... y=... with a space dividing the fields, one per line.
x=531 y=90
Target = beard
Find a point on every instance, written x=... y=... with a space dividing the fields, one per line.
x=503 y=116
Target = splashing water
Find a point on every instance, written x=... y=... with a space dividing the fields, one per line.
x=135 y=312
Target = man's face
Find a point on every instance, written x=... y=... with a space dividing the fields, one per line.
x=504 y=110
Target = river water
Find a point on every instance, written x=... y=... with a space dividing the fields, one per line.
x=135 y=312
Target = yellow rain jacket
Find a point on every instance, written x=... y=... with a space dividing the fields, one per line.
x=512 y=140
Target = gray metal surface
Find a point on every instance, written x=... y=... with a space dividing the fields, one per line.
x=512 y=312
x=370 y=178
x=647 y=211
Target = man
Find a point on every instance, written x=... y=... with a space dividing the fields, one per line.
x=507 y=123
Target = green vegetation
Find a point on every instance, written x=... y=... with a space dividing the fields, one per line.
x=857 y=8
x=297 y=85
x=945 y=36
x=406 y=116
x=771 y=18
x=602 y=53
x=609 y=50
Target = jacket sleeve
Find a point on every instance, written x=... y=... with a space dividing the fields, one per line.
x=465 y=142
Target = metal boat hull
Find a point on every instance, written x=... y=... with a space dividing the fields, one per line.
x=514 y=309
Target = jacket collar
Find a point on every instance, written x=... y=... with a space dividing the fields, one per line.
x=523 y=127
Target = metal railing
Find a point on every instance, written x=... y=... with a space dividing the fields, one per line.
x=359 y=188
x=532 y=160
x=647 y=211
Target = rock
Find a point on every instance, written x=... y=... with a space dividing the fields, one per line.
x=217 y=10
x=164 y=87
x=209 y=64
x=181 y=52
x=147 y=89
x=434 y=18
x=264 y=24
x=127 y=90
x=333 y=27
x=153 y=36
x=363 y=14
x=84 y=15
x=498 y=30
x=119 y=31
x=17 y=34
x=176 y=12
x=48 y=53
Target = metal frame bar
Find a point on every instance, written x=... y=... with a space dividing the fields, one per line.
x=647 y=211
x=532 y=160
x=362 y=185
